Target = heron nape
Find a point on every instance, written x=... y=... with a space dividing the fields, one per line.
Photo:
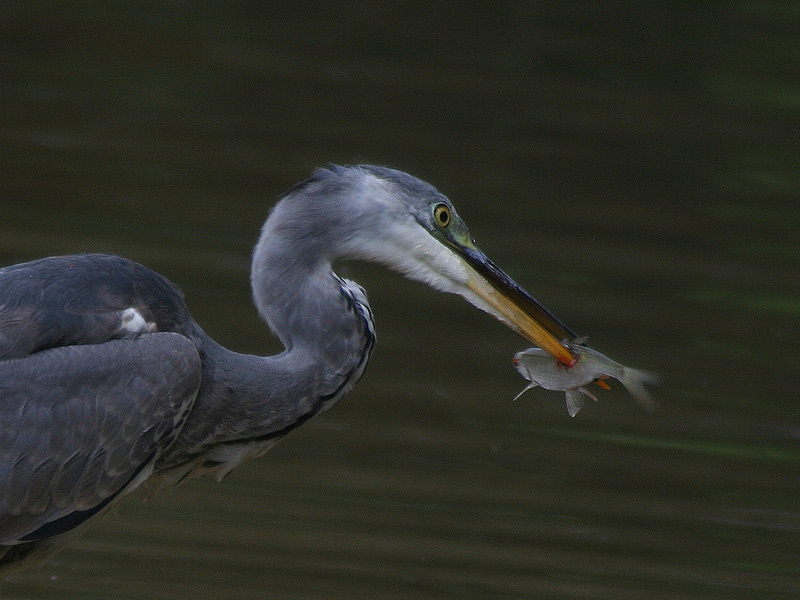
x=106 y=381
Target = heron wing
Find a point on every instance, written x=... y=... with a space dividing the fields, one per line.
x=80 y=424
x=83 y=299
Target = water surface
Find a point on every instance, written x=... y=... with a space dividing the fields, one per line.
x=634 y=167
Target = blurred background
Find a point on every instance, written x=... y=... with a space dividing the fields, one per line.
x=634 y=165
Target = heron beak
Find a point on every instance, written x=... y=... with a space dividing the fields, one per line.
x=518 y=309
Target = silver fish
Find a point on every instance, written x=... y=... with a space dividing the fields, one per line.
x=542 y=370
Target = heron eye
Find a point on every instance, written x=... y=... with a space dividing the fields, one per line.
x=442 y=215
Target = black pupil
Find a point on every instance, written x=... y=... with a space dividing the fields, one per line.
x=443 y=216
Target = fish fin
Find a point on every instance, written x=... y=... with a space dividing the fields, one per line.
x=578 y=341
x=574 y=401
x=525 y=389
x=602 y=383
x=634 y=381
x=586 y=392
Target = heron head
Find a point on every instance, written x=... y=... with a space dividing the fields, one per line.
x=387 y=216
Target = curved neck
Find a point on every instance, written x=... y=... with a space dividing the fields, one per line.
x=323 y=321
x=326 y=326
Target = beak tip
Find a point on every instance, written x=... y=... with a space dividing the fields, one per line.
x=569 y=363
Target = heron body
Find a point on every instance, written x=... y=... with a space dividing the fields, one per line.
x=106 y=381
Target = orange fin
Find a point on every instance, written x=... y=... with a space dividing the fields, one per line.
x=602 y=384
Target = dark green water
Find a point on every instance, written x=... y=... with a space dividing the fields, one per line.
x=635 y=166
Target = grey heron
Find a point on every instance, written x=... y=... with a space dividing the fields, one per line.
x=106 y=381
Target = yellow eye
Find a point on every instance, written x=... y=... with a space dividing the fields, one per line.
x=442 y=215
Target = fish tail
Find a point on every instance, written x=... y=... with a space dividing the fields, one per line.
x=634 y=381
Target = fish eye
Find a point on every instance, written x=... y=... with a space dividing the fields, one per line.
x=442 y=215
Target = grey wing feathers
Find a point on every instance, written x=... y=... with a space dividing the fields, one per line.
x=83 y=299
x=79 y=423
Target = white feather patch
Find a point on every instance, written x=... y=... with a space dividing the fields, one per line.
x=132 y=322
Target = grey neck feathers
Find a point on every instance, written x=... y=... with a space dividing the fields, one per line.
x=325 y=325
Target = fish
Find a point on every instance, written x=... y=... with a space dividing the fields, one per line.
x=542 y=370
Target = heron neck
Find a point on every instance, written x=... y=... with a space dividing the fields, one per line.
x=326 y=326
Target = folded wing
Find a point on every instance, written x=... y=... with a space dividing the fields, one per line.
x=79 y=425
